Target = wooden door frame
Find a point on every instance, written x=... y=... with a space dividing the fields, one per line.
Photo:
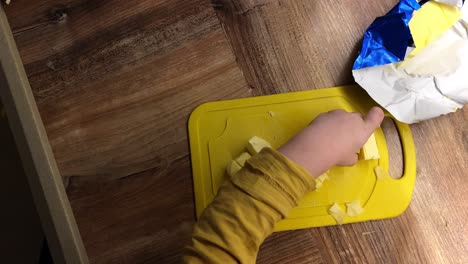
x=38 y=160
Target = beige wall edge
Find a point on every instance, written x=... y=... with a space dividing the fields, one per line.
x=38 y=160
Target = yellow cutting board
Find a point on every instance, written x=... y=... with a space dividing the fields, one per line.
x=219 y=132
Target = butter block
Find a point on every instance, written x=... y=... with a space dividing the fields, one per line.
x=380 y=173
x=431 y=21
x=354 y=208
x=337 y=213
x=370 y=150
x=256 y=144
x=320 y=179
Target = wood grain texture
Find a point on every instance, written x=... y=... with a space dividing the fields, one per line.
x=115 y=82
x=143 y=218
x=290 y=45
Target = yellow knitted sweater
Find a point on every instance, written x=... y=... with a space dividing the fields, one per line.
x=245 y=210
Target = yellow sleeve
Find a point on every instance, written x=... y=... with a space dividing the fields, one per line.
x=245 y=210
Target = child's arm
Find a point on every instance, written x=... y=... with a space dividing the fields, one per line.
x=245 y=210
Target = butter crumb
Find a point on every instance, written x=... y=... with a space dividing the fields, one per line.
x=354 y=208
x=380 y=173
x=370 y=150
x=256 y=144
x=337 y=213
x=320 y=179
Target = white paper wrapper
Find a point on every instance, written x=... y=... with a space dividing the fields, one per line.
x=457 y=3
x=432 y=83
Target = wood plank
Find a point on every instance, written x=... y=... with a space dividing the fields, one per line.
x=289 y=45
x=123 y=78
x=143 y=218
x=115 y=84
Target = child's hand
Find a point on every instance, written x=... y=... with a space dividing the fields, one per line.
x=333 y=138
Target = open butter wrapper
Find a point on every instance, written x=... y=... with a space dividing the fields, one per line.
x=414 y=60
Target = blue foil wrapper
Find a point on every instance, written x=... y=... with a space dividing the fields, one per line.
x=387 y=38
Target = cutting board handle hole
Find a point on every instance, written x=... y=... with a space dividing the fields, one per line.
x=395 y=150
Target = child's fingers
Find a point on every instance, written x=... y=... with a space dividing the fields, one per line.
x=374 y=118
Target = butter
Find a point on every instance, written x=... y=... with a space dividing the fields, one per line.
x=320 y=179
x=354 y=208
x=337 y=213
x=256 y=144
x=370 y=150
x=380 y=173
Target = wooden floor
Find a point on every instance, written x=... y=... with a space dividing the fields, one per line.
x=115 y=82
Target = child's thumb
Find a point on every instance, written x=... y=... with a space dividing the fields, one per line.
x=374 y=118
